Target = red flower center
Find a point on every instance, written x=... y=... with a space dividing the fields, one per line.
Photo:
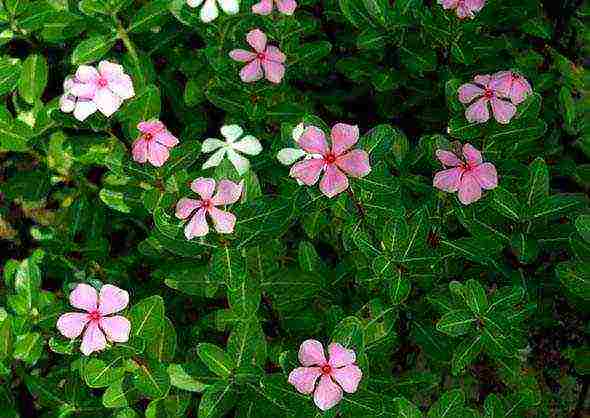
x=326 y=369
x=103 y=82
x=488 y=93
x=94 y=316
x=261 y=56
x=329 y=158
x=206 y=204
x=148 y=136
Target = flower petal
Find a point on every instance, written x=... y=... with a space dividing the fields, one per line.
x=185 y=207
x=447 y=158
x=252 y=72
x=223 y=221
x=274 y=71
x=204 y=187
x=231 y=132
x=483 y=79
x=274 y=54
x=231 y=7
x=241 y=55
x=448 y=4
x=448 y=180
x=241 y=164
x=354 y=163
x=71 y=324
x=468 y=92
x=211 y=144
x=228 y=193
x=313 y=141
x=157 y=153
x=486 y=176
x=110 y=70
x=84 y=108
x=165 y=138
x=287 y=6
x=194 y=3
x=215 y=159
x=501 y=83
x=472 y=155
x=209 y=11
x=84 y=90
x=503 y=110
x=288 y=156
x=333 y=182
x=343 y=137
x=84 y=297
x=348 y=377
x=122 y=86
x=112 y=299
x=304 y=378
x=86 y=74
x=469 y=189
x=475 y=5
x=327 y=394
x=264 y=7
x=67 y=103
x=248 y=145
x=257 y=40
x=340 y=356
x=307 y=171
x=521 y=89
x=311 y=353
x=150 y=126
x=478 y=111
x=93 y=340
x=107 y=102
x=116 y=328
x=197 y=226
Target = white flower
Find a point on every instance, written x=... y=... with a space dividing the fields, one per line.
x=231 y=146
x=209 y=11
x=288 y=156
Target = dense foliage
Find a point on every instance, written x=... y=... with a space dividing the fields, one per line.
x=160 y=258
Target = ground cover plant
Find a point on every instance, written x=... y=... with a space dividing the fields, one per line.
x=280 y=208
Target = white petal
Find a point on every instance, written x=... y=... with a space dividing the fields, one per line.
x=240 y=163
x=84 y=109
x=209 y=12
x=231 y=132
x=231 y=7
x=298 y=131
x=288 y=156
x=248 y=145
x=67 y=103
x=194 y=3
x=215 y=159
x=211 y=144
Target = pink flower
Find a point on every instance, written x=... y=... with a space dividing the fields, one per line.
x=69 y=103
x=485 y=90
x=464 y=8
x=336 y=374
x=468 y=177
x=105 y=89
x=511 y=85
x=264 y=61
x=264 y=7
x=154 y=143
x=98 y=325
x=333 y=161
x=227 y=193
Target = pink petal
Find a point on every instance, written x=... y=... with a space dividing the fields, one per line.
x=228 y=192
x=67 y=103
x=333 y=182
x=165 y=138
x=83 y=90
x=257 y=40
x=304 y=378
x=93 y=339
x=84 y=108
x=447 y=158
x=110 y=70
x=242 y=55
x=287 y=6
x=203 y=187
x=150 y=127
x=252 y=72
x=501 y=83
x=340 y=356
x=274 y=71
x=197 y=226
x=478 y=111
x=448 y=4
x=483 y=80
x=354 y=163
x=503 y=110
x=307 y=171
x=327 y=394
x=486 y=176
x=157 y=154
x=223 y=221
x=343 y=137
x=472 y=155
x=313 y=141
x=263 y=7
x=475 y=5
x=84 y=297
x=112 y=299
x=469 y=189
x=71 y=324
x=139 y=150
x=311 y=353
x=106 y=101
x=521 y=88
x=186 y=206
x=86 y=74
x=122 y=86
x=274 y=54
x=348 y=377
x=448 y=180
x=468 y=92
x=116 y=328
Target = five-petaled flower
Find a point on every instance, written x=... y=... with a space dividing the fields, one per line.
x=486 y=91
x=264 y=7
x=154 y=143
x=512 y=85
x=231 y=147
x=334 y=161
x=103 y=90
x=463 y=8
x=289 y=156
x=266 y=60
x=336 y=374
x=209 y=11
x=99 y=326
x=468 y=176
x=228 y=192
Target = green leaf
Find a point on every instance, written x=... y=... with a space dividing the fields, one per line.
x=33 y=78
x=163 y=346
x=5 y=335
x=575 y=276
x=456 y=323
x=10 y=70
x=406 y=409
x=448 y=406
x=228 y=265
x=314 y=51
x=506 y=203
x=215 y=359
x=525 y=248
x=144 y=106
x=582 y=224
x=27 y=282
x=152 y=379
x=465 y=353
x=119 y=394
x=14 y=134
x=182 y=380
x=28 y=347
x=102 y=373
x=537 y=186
x=538 y=27
x=147 y=318
x=217 y=400
x=92 y=49
x=399 y=289
x=309 y=259
x=152 y=15
x=475 y=297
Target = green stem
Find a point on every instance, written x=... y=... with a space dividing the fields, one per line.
x=122 y=34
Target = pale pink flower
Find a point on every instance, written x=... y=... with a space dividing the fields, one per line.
x=266 y=60
x=264 y=7
x=338 y=373
x=99 y=326
x=511 y=85
x=334 y=161
x=483 y=93
x=228 y=192
x=105 y=89
x=464 y=8
x=68 y=103
x=468 y=176
x=154 y=143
